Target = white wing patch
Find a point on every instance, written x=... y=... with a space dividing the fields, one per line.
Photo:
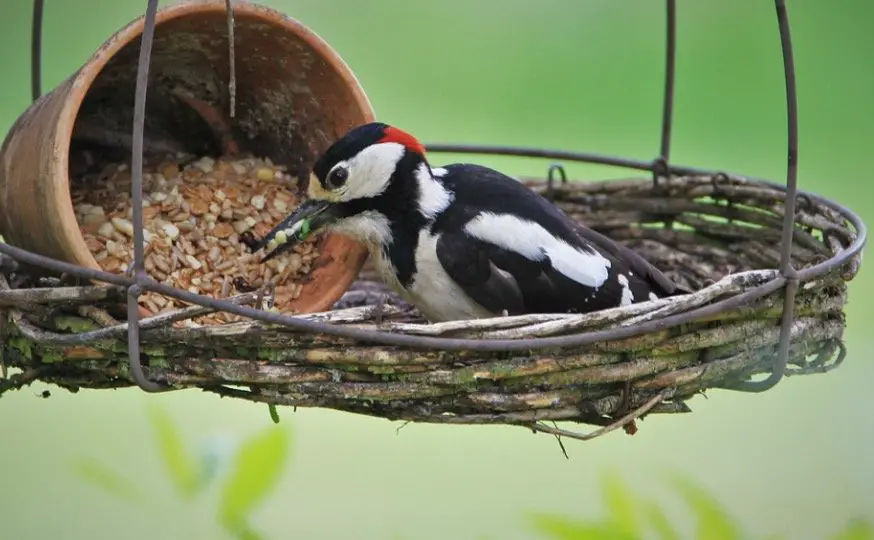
x=439 y=172
x=627 y=296
x=532 y=241
x=433 y=197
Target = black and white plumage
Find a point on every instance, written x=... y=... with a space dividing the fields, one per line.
x=463 y=241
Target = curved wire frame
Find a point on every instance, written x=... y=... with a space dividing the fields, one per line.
x=788 y=277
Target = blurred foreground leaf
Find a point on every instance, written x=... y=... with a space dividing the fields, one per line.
x=857 y=530
x=659 y=521
x=180 y=465
x=107 y=480
x=562 y=528
x=634 y=518
x=244 y=532
x=620 y=504
x=713 y=522
x=254 y=473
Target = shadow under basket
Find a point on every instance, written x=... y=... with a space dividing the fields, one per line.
x=719 y=236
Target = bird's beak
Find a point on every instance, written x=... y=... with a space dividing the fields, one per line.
x=308 y=218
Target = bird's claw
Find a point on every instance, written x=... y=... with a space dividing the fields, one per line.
x=379 y=310
x=266 y=296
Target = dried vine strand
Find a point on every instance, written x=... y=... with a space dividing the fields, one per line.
x=46 y=295
x=4 y=322
x=628 y=418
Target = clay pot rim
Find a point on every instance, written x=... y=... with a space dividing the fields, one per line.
x=86 y=75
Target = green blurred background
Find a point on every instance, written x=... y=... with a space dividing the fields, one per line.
x=572 y=74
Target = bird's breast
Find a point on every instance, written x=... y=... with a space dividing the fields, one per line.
x=431 y=290
x=434 y=292
x=386 y=270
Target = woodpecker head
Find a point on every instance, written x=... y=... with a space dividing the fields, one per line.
x=369 y=178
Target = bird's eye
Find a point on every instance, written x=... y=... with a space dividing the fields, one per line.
x=337 y=177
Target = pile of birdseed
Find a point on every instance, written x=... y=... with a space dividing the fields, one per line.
x=201 y=217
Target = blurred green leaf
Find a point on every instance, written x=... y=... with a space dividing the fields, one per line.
x=244 y=532
x=182 y=467
x=620 y=504
x=562 y=528
x=107 y=480
x=857 y=529
x=659 y=521
x=713 y=522
x=255 y=471
x=630 y=518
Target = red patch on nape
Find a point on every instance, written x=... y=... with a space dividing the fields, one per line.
x=396 y=135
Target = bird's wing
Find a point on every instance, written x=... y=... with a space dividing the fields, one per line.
x=635 y=262
x=499 y=277
x=470 y=263
x=510 y=248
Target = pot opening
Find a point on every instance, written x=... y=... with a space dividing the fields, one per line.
x=213 y=184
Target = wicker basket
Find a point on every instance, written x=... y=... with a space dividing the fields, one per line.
x=721 y=236
x=721 y=232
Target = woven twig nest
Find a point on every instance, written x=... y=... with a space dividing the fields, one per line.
x=718 y=236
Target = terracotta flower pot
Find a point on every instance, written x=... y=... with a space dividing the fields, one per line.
x=294 y=97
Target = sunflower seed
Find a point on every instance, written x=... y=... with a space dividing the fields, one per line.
x=196 y=218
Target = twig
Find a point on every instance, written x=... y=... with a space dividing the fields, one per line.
x=559 y=441
x=22 y=305
x=4 y=330
x=100 y=316
x=19 y=381
x=3 y=349
x=351 y=315
x=48 y=295
x=400 y=427
x=120 y=330
x=729 y=286
x=266 y=292
x=232 y=79
x=443 y=328
x=633 y=415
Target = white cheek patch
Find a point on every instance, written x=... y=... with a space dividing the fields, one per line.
x=371 y=170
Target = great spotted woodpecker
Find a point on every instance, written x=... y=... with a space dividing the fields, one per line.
x=462 y=241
